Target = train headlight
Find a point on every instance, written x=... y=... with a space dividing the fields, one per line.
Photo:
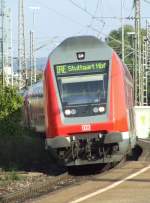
x=67 y=112
x=101 y=109
x=95 y=109
x=73 y=111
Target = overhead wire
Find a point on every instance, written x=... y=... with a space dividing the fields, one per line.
x=89 y=14
x=130 y=16
x=104 y=23
x=92 y=19
x=68 y=17
x=119 y=42
x=58 y=13
x=72 y=20
x=131 y=10
x=76 y=22
x=84 y=10
x=81 y=8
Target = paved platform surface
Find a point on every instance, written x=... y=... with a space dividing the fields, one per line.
x=127 y=184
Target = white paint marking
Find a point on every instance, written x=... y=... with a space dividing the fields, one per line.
x=111 y=186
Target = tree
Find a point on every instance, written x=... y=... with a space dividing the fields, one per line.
x=116 y=35
x=129 y=43
x=10 y=111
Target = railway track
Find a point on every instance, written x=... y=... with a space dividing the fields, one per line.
x=55 y=183
x=36 y=190
x=58 y=182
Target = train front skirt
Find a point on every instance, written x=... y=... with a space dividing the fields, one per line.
x=92 y=148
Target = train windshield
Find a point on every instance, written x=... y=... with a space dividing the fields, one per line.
x=87 y=89
x=84 y=87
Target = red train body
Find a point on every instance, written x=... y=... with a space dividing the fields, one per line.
x=120 y=102
x=88 y=102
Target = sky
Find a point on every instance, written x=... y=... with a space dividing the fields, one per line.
x=56 y=20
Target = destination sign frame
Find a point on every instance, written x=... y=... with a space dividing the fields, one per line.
x=81 y=68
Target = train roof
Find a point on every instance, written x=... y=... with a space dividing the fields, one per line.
x=79 y=41
x=89 y=41
x=78 y=44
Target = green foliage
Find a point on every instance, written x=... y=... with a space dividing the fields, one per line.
x=129 y=41
x=39 y=76
x=24 y=153
x=10 y=112
x=12 y=176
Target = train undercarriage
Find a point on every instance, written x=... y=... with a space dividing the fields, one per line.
x=93 y=148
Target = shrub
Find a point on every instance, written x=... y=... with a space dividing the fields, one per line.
x=10 y=112
x=25 y=152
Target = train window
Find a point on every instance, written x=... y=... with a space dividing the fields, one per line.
x=83 y=89
x=82 y=83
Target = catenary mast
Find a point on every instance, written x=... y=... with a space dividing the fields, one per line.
x=138 y=64
x=22 y=75
x=6 y=65
x=2 y=42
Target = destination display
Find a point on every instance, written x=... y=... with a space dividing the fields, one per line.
x=84 y=67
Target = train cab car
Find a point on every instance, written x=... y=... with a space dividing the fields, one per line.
x=33 y=107
x=88 y=102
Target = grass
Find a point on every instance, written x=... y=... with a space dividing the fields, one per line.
x=13 y=176
x=8 y=178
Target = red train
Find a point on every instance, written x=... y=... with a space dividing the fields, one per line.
x=88 y=102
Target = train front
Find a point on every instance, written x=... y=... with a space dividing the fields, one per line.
x=77 y=101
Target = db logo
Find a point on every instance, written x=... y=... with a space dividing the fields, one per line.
x=86 y=127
